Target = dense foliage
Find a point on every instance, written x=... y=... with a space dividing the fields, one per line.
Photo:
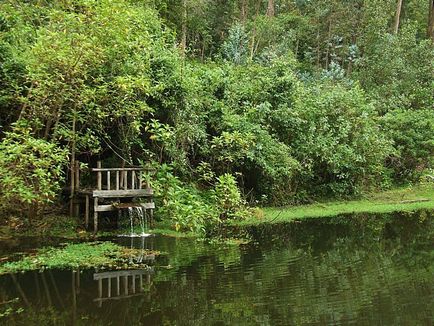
x=274 y=102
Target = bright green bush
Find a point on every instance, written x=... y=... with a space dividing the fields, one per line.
x=227 y=195
x=184 y=206
x=412 y=132
x=31 y=170
x=334 y=134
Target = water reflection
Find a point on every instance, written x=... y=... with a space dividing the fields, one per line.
x=366 y=271
x=132 y=284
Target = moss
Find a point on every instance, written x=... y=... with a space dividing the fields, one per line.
x=81 y=255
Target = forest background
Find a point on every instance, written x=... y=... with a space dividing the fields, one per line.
x=235 y=103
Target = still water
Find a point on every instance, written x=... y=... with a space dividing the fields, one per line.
x=364 y=270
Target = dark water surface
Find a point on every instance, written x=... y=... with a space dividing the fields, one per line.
x=373 y=270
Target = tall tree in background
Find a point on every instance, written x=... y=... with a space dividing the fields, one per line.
x=184 y=27
x=431 y=20
x=270 y=8
x=397 y=17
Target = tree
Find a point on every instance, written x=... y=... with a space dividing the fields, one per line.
x=397 y=17
x=431 y=20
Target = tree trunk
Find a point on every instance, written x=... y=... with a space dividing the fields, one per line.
x=244 y=11
x=397 y=17
x=270 y=8
x=184 y=28
x=431 y=20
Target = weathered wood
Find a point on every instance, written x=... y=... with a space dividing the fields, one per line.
x=100 y=300
x=111 y=207
x=99 y=176
x=148 y=205
x=95 y=215
x=122 y=169
x=133 y=179
x=77 y=175
x=117 y=180
x=140 y=179
x=133 y=283
x=108 y=180
x=125 y=180
x=105 y=208
x=86 y=212
x=116 y=274
x=123 y=193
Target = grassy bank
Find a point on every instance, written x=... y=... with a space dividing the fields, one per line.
x=404 y=199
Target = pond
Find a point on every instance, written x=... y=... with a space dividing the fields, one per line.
x=360 y=270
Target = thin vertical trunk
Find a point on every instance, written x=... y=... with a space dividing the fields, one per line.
x=184 y=28
x=397 y=17
x=270 y=8
x=244 y=11
x=431 y=20
x=72 y=166
x=329 y=35
x=253 y=42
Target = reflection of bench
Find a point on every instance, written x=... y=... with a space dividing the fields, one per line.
x=114 y=184
x=126 y=284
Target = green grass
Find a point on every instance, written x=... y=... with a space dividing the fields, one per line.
x=79 y=255
x=384 y=202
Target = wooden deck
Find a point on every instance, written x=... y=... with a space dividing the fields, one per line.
x=112 y=185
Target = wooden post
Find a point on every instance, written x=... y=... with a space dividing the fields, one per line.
x=140 y=179
x=77 y=175
x=126 y=285
x=99 y=176
x=133 y=283
x=108 y=180
x=117 y=180
x=95 y=215
x=125 y=180
x=109 y=288
x=100 y=292
x=86 y=212
x=118 y=286
x=133 y=180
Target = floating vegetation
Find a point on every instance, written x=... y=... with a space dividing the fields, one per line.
x=80 y=255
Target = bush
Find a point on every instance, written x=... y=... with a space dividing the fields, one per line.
x=336 y=138
x=413 y=134
x=184 y=206
x=227 y=195
x=30 y=169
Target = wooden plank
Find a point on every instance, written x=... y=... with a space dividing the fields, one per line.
x=117 y=274
x=105 y=208
x=117 y=180
x=119 y=297
x=123 y=193
x=148 y=205
x=98 y=169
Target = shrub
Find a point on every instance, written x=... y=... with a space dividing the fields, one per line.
x=30 y=169
x=412 y=132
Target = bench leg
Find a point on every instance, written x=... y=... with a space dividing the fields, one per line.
x=86 y=213
x=95 y=215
